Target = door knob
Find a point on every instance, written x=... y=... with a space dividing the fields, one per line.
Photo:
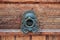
x=29 y=22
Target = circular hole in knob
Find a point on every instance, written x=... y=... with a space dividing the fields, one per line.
x=29 y=22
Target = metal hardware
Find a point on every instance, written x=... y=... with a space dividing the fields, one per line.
x=29 y=22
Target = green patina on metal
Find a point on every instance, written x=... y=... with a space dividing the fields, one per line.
x=29 y=22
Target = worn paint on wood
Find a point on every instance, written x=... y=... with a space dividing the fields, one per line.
x=30 y=0
x=22 y=38
x=48 y=15
x=38 y=38
x=57 y=37
x=7 y=37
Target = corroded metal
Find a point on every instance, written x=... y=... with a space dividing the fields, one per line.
x=29 y=22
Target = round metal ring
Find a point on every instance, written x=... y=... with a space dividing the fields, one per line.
x=27 y=21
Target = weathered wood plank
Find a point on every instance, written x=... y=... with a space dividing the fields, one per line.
x=22 y=38
x=2 y=38
x=7 y=37
x=21 y=34
x=57 y=37
x=17 y=0
x=31 y=0
x=38 y=38
x=48 y=15
x=52 y=37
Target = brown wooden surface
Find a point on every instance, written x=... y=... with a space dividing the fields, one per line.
x=38 y=38
x=48 y=15
x=47 y=12
x=7 y=37
x=22 y=38
x=12 y=14
x=28 y=37
x=21 y=34
x=30 y=0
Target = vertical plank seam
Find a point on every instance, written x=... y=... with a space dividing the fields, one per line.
x=14 y=37
x=47 y=37
x=53 y=37
x=30 y=37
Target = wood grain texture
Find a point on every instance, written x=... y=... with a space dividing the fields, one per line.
x=57 y=37
x=22 y=38
x=7 y=38
x=21 y=34
x=2 y=38
x=47 y=12
x=38 y=38
x=30 y=0
x=48 y=15
x=52 y=37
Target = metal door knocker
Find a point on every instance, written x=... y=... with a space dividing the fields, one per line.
x=29 y=22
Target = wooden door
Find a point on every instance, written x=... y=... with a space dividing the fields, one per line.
x=47 y=12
